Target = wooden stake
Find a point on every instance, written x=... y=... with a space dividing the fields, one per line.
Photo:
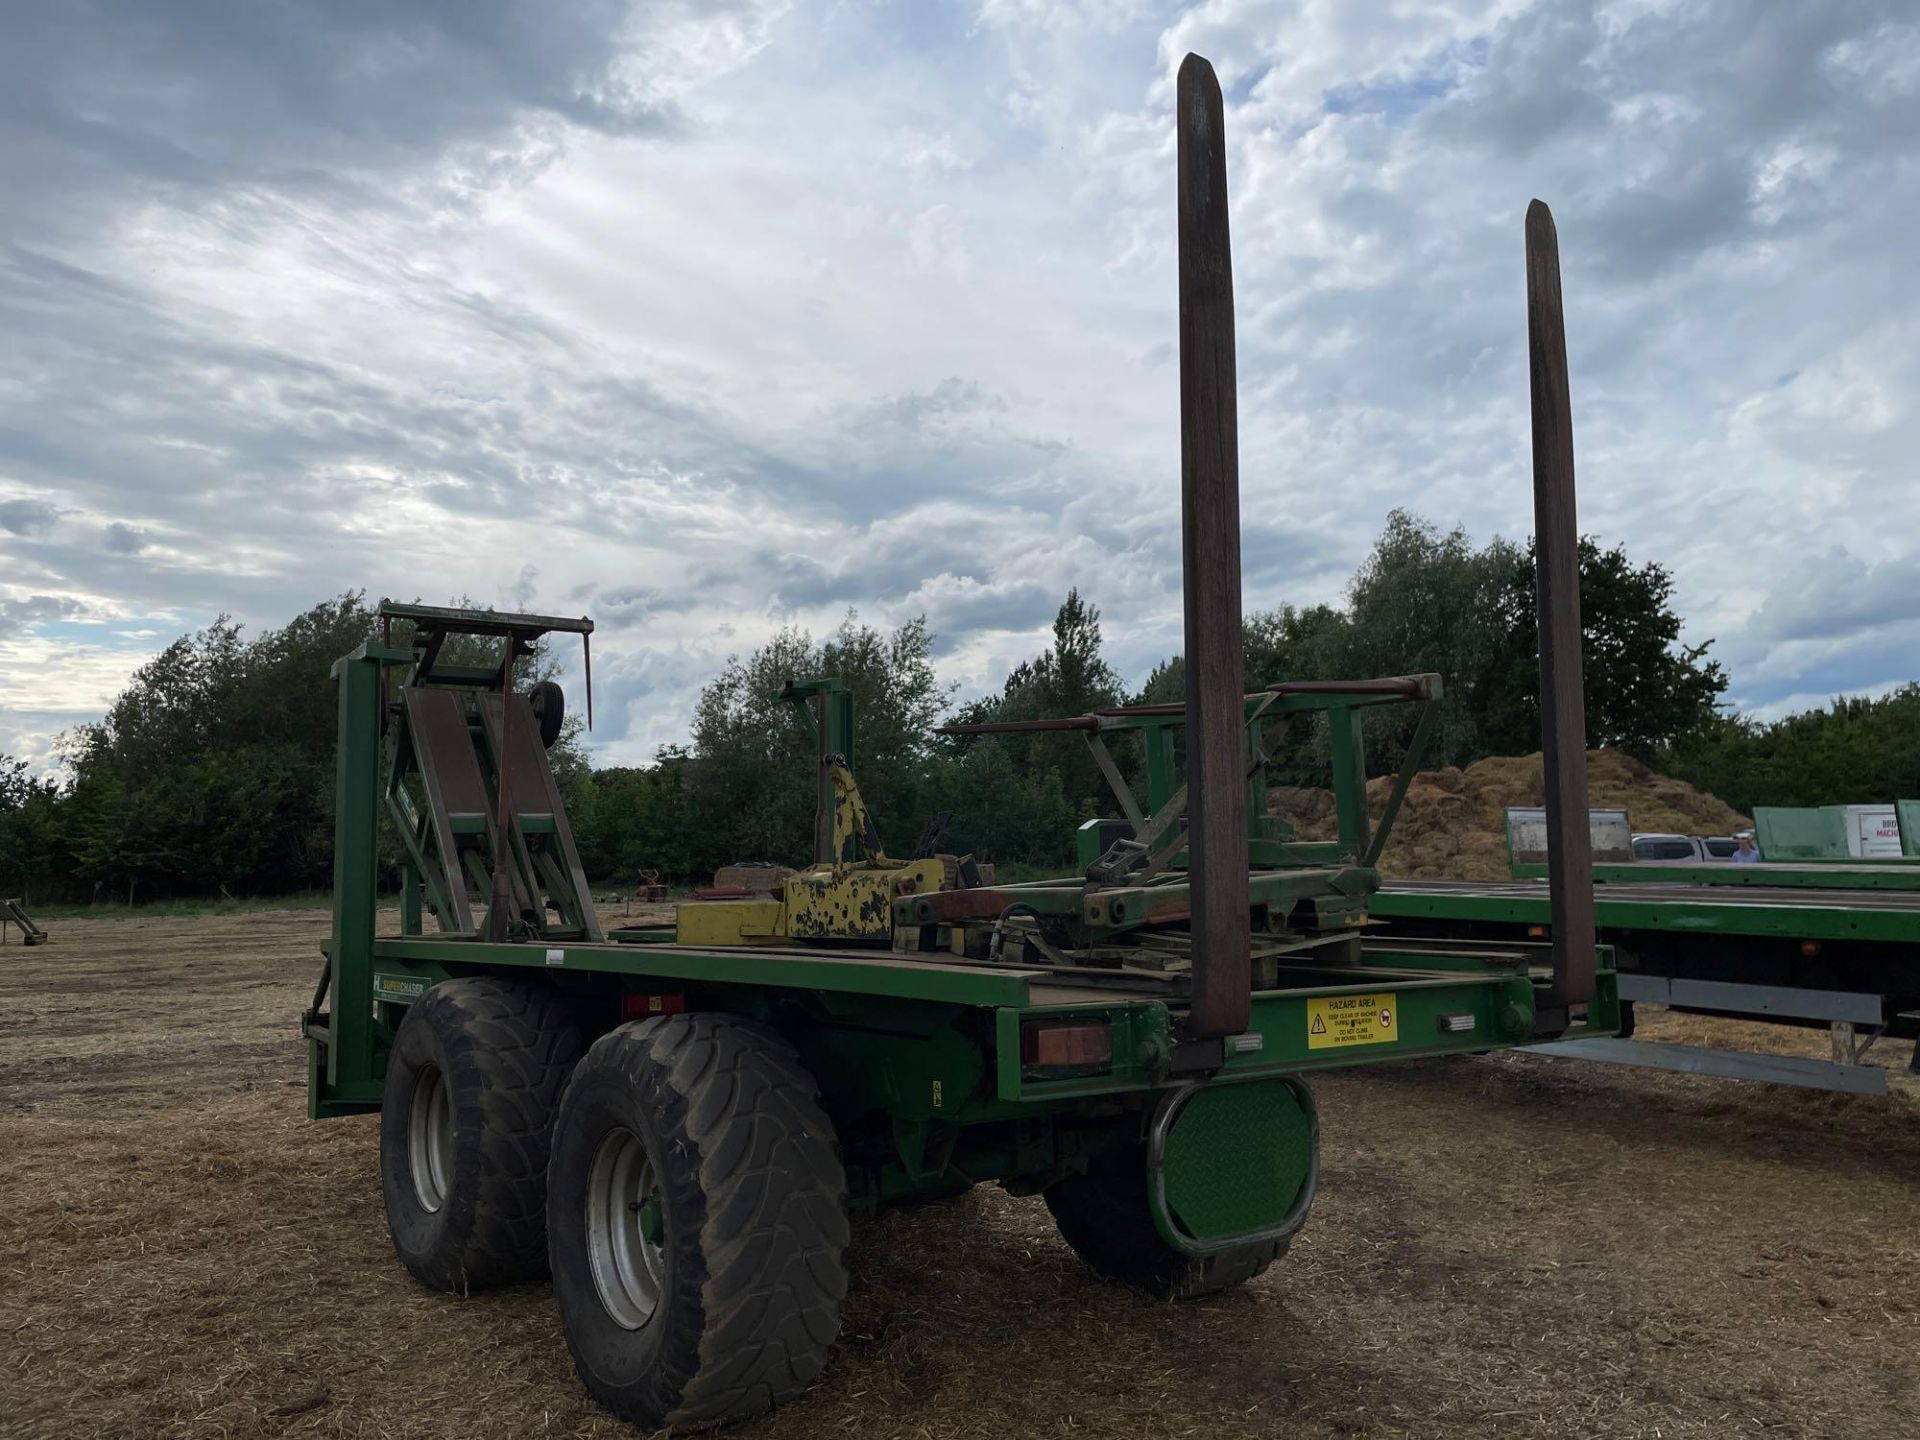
x=1210 y=560
x=1563 y=717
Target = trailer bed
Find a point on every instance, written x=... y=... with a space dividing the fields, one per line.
x=1818 y=913
x=930 y=976
x=1799 y=953
x=1400 y=1001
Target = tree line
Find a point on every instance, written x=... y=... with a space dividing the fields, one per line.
x=212 y=773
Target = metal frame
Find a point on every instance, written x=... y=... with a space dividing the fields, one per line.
x=1358 y=841
x=350 y=1027
x=1763 y=1001
x=349 y=1037
x=14 y=912
x=464 y=727
x=1843 y=1010
x=832 y=719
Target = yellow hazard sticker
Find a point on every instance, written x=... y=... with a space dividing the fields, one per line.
x=1352 y=1020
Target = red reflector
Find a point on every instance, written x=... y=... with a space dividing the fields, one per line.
x=1066 y=1044
x=639 y=1007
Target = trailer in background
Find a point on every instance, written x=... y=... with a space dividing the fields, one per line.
x=1814 y=943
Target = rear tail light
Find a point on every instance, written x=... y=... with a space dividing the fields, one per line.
x=1066 y=1047
x=639 y=1007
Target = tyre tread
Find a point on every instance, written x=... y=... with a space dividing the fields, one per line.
x=772 y=1200
x=519 y=1044
x=1103 y=1217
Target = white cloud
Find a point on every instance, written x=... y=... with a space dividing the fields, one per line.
x=712 y=318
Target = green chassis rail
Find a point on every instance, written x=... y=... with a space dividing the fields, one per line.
x=1441 y=1003
x=920 y=1060
x=920 y=1055
x=1782 y=944
x=1659 y=905
x=1768 y=875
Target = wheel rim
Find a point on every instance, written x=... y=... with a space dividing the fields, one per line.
x=626 y=1238
x=430 y=1140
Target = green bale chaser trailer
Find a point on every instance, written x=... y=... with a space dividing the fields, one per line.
x=677 y=1122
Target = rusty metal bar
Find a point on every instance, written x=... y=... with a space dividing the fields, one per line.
x=1398 y=687
x=1116 y=782
x=1409 y=766
x=1022 y=727
x=1210 y=564
x=500 y=896
x=1402 y=687
x=1563 y=721
x=823 y=789
x=386 y=689
x=1411 y=687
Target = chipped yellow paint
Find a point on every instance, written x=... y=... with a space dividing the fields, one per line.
x=729 y=922
x=853 y=902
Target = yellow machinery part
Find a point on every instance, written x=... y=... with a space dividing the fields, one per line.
x=729 y=922
x=853 y=902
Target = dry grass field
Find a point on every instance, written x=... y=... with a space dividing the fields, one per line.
x=1514 y=1245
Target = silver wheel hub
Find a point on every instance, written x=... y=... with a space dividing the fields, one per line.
x=626 y=1230
x=430 y=1140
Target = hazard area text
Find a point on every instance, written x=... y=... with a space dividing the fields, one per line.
x=1352 y=1020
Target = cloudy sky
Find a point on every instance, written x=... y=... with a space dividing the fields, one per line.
x=704 y=318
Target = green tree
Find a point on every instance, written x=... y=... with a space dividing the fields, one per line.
x=1280 y=644
x=1858 y=750
x=637 y=819
x=1646 y=691
x=1421 y=601
x=1004 y=806
x=213 y=770
x=1424 y=601
x=31 y=847
x=1072 y=677
x=1427 y=600
x=750 y=778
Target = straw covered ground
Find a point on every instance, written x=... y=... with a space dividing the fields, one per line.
x=1513 y=1246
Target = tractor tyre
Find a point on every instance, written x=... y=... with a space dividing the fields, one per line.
x=1103 y=1216
x=466 y=1123
x=697 y=1212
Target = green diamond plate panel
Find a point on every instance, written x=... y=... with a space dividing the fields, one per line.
x=1236 y=1158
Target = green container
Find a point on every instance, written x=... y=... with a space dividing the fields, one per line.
x=1788 y=833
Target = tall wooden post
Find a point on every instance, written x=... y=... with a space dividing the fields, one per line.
x=1563 y=715
x=1210 y=561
